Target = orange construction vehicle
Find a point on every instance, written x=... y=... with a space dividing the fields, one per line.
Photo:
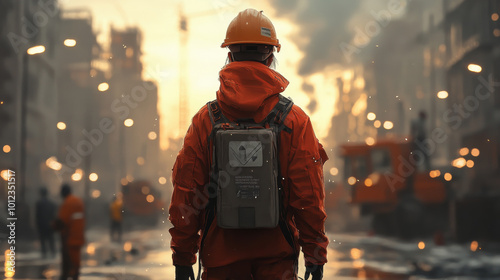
x=387 y=183
x=142 y=204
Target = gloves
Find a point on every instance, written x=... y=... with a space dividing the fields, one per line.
x=315 y=270
x=184 y=273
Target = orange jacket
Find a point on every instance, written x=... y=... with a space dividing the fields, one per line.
x=72 y=216
x=250 y=90
x=115 y=210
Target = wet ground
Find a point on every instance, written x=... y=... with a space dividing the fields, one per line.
x=146 y=255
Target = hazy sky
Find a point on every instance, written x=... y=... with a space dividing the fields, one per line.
x=159 y=21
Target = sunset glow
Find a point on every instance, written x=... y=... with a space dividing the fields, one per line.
x=207 y=27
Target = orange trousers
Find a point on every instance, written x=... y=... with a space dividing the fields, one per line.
x=247 y=270
x=71 y=256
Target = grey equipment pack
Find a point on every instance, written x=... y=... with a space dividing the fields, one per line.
x=247 y=194
x=245 y=163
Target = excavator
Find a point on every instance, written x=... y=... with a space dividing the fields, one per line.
x=142 y=204
x=386 y=180
x=389 y=183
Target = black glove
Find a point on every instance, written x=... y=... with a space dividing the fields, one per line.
x=184 y=272
x=315 y=270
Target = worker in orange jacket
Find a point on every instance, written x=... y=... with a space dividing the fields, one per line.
x=116 y=215
x=71 y=225
x=249 y=89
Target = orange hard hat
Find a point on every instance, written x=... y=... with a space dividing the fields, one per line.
x=251 y=27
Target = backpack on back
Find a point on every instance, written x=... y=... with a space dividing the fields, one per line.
x=247 y=194
x=245 y=167
x=245 y=172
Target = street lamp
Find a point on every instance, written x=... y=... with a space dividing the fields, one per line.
x=93 y=177
x=388 y=125
x=368 y=182
x=140 y=161
x=61 y=126
x=70 y=43
x=128 y=122
x=162 y=180
x=53 y=164
x=36 y=50
x=5 y=174
x=96 y=193
x=352 y=180
x=152 y=135
x=371 y=116
x=442 y=94
x=9 y=267
x=334 y=171
x=459 y=162
x=6 y=149
x=77 y=176
x=448 y=177
x=370 y=141
x=103 y=87
x=475 y=68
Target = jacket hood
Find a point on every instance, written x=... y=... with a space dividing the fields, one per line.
x=249 y=89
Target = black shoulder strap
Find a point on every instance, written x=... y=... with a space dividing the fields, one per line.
x=216 y=115
x=217 y=118
x=279 y=113
x=276 y=119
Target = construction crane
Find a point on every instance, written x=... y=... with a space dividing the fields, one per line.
x=183 y=62
x=183 y=91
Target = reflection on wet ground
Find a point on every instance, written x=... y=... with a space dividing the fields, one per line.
x=145 y=255
x=350 y=258
x=361 y=257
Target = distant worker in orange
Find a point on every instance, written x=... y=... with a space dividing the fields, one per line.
x=248 y=181
x=70 y=223
x=116 y=213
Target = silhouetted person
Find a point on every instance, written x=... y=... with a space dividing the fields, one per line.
x=45 y=214
x=419 y=134
x=250 y=95
x=115 y=211
x=71 y=224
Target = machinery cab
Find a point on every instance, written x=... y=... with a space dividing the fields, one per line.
x=380 y=173
x=142 y=203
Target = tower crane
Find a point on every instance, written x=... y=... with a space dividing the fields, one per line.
x=183 y=62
